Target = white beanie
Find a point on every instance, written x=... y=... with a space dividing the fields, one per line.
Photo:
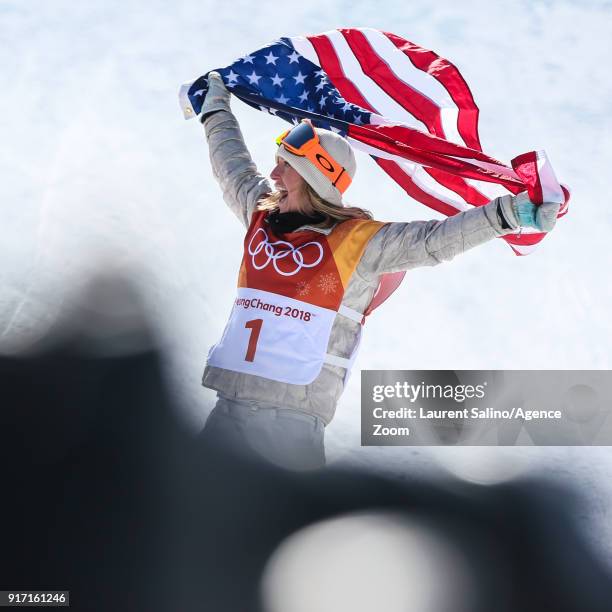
x=339 y=148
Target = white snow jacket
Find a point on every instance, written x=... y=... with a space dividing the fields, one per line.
x=395 y=247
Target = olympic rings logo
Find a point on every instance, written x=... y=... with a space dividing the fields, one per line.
x=268 y=248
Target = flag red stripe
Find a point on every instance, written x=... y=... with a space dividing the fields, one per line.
x=526 y=166
x=380 y=136
x=446 y=73
x=524 y=239
x=516 y=252
x=378 y=70
x=328 y=60
x=405 y=181
x=388 y=284
x=429 y=142
x=459 y=185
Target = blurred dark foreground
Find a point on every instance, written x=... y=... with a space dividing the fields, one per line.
x=106 y=493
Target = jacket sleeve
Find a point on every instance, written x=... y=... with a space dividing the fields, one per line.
x=232 y=165
x=402 y=246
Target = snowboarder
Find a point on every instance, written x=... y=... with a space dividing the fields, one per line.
x=310 y=268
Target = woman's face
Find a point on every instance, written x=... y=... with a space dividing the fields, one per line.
x=291 y=185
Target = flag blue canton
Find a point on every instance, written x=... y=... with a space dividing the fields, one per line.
x=279 y=80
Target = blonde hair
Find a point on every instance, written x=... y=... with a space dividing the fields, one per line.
x=332 y=213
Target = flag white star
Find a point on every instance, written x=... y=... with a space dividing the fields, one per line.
x=282 y=99
x=303 y=96
x=340 y=100
x=299 y=78
x=334 y=129
x=198 y=93
x=248 y=59
x=232 y=77
x=253 y=78
x=272 y=111
x=320 y=73
x=271 y=58
x=294 y=57
x=347 y=106
x=320 y=86
x=357 y=120
x=322 y=101
x=276 y=80
x=310 y=109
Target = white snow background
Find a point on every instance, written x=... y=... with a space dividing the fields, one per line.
x=98 y=167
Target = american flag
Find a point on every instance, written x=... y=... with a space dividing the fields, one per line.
x=408 y=108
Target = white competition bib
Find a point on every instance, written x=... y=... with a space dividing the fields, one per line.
x=290 y=291
x=275 y=337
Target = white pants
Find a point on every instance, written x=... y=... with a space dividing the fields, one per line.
x=284 y=437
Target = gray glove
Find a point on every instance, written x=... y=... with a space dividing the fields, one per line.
x=519 y=211
x=217 y=96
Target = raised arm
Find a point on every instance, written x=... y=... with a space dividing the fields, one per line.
x=231 y=161
x=402 y=246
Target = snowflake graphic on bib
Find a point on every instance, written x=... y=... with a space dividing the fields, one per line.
x=327 y=283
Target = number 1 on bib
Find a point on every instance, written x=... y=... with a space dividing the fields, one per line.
x=255 y=327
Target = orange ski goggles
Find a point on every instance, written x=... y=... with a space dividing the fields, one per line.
x=303 y=140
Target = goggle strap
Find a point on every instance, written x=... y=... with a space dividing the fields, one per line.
x=343 y=181
x=338 y=177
